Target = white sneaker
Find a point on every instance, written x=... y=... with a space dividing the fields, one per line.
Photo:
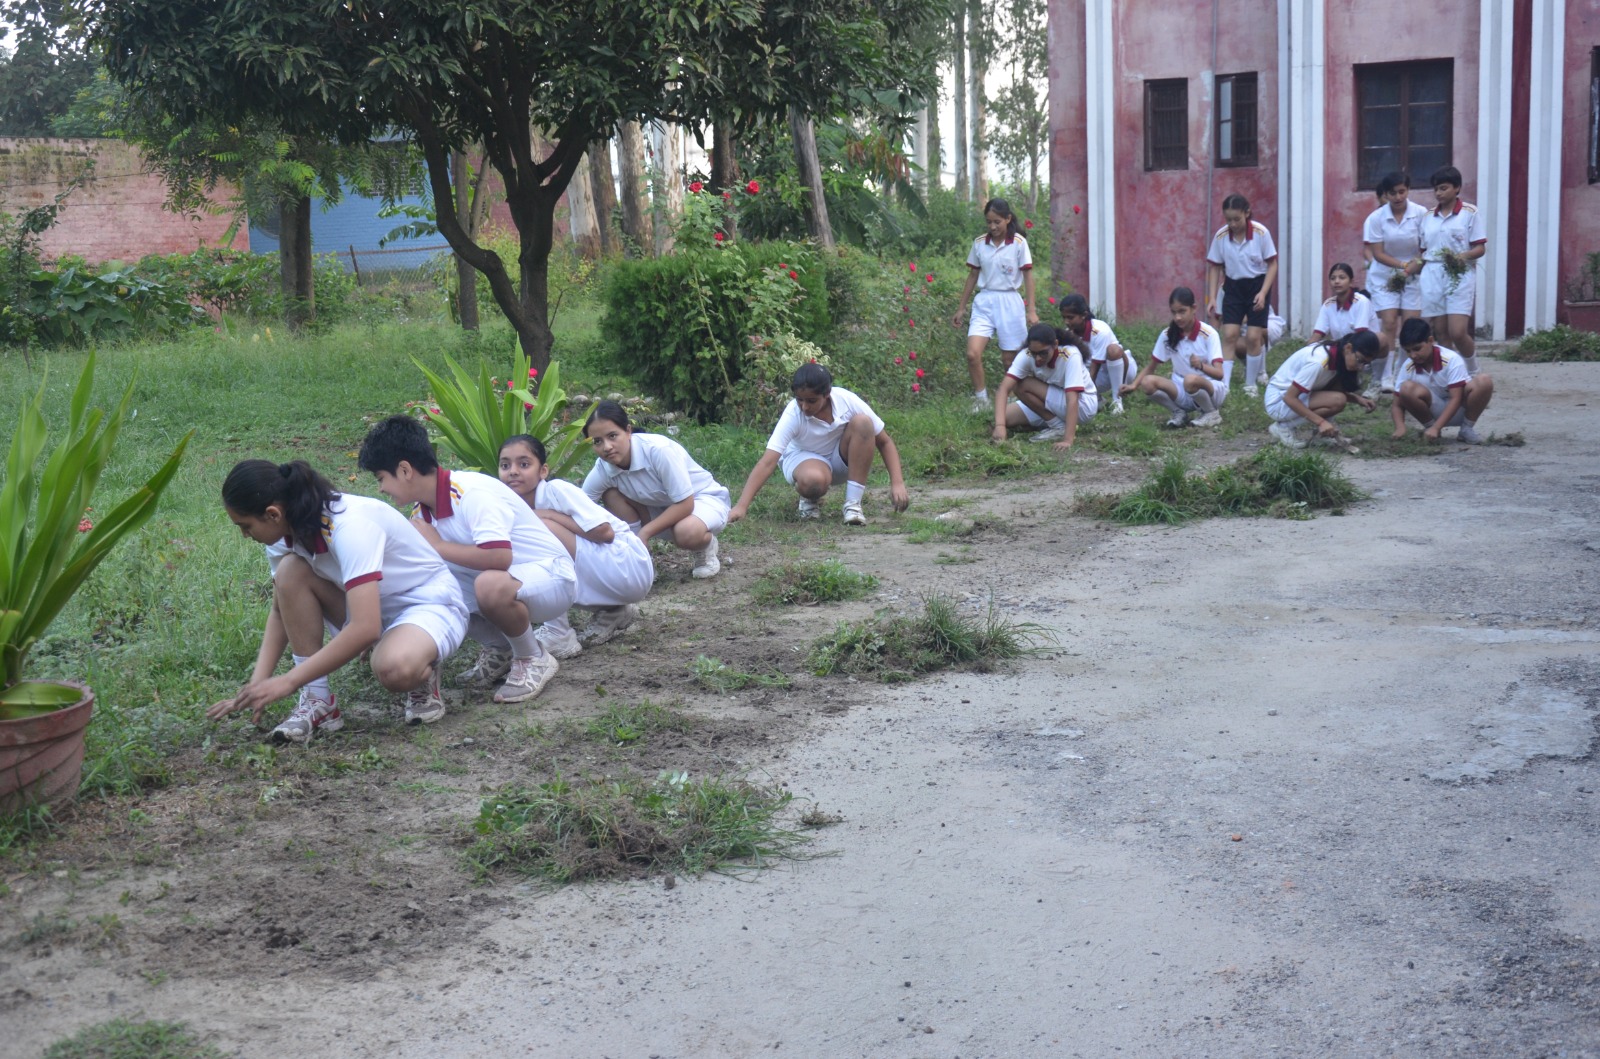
x=311 y=714
x=490 y=668
x=706 y=563
x=1212 y=418
x=1388 y=384
x=853 y=515
x=810 y=510
x=1250 y=390
x=424 y=704
x=608 y=621
x=980 y=405
x=1286 y=434
x=1262 y=379
x=1468 y=436
x=1116 y=406
x=563 y=643
x=527 y=678
x=1051 y=433
x=1180 y=418
x=1372 y=391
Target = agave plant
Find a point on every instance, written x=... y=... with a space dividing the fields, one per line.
x=47 y=550
x=475 y=418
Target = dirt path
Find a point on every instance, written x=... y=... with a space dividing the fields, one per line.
x=1288 y=789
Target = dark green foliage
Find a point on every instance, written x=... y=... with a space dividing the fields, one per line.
x=1276 y=481
x=900 y=647
x=126 y=1039
x=45 y=66
x=828 y=581
x=1558 y=343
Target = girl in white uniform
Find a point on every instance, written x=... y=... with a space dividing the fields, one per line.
x=1316 y=383
x=1199 y=380
x=347 y=564
x=825 y=437
x=1347 y=312
x=1393 y=236
x=1109 y=365
x=1000 y=269
x=613 y=565
x=1453 y=225
x=1052 y=387
x=1241 y=267
x=654 y=485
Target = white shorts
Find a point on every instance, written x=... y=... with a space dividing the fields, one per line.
x=1440 y=398
x=443 y=618
x=549 y=587
x=1279 y=411
x=1055 y=401
x=1185 y=399
x=1383 y=298
x=1437 y=297
x=610 y=575
x=1000 y=314
x=795 y=457
x=712 y=510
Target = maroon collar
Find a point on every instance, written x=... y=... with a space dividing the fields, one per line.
x=1194 y=332
x=1455 y=209
x=1008 y=241
x=1438 y=360
x=1345 y=303
x=318 y=546
x=441 y=507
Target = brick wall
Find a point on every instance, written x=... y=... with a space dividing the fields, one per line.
x=117 y=216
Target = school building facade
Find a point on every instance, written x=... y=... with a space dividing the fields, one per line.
x=1159 y=110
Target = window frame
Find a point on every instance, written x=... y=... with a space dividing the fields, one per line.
x=1157 y=157
x=1365 y=181
x=1241 y=159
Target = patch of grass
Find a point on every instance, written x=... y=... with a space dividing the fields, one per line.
x=1134 y=439
x=810 y=582
x=624 y=724
x=126 y=1039
x=895 y=648
x=567 y=832
x=1556 y=344
x=920 y=529
x=1276 y=481
x=714 y=674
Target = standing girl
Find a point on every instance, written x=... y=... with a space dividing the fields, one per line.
x=1241 y=267
x=350 y=564
x=654 y=485
x=1108 y=363
x=1000 y=268
x=1453 y=236
x=1347 y=312
x=826 y=436
x=1393 y=236
x=1199 y=374
x=1052 y=387
x=613 y=564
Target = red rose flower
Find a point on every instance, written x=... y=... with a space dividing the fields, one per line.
x=928 y=276
x=1052 y=301
x=781 y=265
x=526 y=407
x=719 y=237
x=919 y=373
x=916 y=387
x=1077 y=209
x=913 y=323
x=913 y=354
x=897 y=361
x=913 y=266
x=533 y=373
x=1027 y=224
x=696 y=187
x=727 y=195
x=793 y=274
x=752 y=187
x=908 y=290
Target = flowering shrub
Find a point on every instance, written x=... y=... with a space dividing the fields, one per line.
x=474 y=415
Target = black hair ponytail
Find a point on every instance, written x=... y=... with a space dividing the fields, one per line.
x=296 y=487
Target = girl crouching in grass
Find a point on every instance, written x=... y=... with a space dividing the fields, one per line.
x=1053 y=390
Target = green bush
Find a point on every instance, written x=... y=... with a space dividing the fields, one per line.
x=75 y=304
x=220 y=279
x=1558 y=343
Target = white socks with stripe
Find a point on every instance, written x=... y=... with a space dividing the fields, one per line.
x=318 y=687
x=1204 y=401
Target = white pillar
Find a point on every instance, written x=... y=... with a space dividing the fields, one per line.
x=1546 y=71
x=1495 y=41
x=1100 y=118
x=1302 y=47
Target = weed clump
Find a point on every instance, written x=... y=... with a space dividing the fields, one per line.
x=808 y=583
x=714 y=674
x=567 y=832
x=899 y=647
x=1557 y=344
x=1278 y=482
x=623 y=724
x=126 y=1039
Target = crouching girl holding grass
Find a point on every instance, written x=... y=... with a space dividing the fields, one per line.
x=1054 y=392
x=1315 y=384
x=352 y=565
x=825 y=437
x=654 y=485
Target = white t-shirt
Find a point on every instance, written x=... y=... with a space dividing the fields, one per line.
x=1246 y=258
x=1201 y=345
x=473 y=508
x=1066 y=371
x=660 y=473
x=798 y=432
x=1336 y=320
x=1304 y=371
x=366 y=540
x=1401 y=240
x=1000 y=267
x=1459 y=230
x=556 y=495
x=1447 y=372
x=1101 y=338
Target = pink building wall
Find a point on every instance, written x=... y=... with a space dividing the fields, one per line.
x=1379 y=31
x=1580 y=200
x=117 y=216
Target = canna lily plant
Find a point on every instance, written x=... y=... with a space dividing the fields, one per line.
x=47 y=547
x=475 y=417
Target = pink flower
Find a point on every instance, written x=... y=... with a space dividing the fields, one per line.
x=433 y=411
x=695 y=187
x=85 y=526
x=526 y=407
x=905 y=308
x=928 y=276
x=913 y=323
x=533 y=373
x=1052 y=300
x=897 y=360
x=913 y=266
x=916 y=387
x=752 y=187
x=719 y=237
x=1027 y=224
x=1077 y=209
x=727 y=195
x=913 y=354
x=908 y=290
x=781 y=265
x=919 y=373
x=793 y=274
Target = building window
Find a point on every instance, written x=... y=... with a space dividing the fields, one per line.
x=1166 y=124
x=1236 y=120
x=1404 y=117
x=1594 y=117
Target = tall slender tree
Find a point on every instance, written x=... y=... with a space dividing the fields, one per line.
x=980 y=43
x=960 y=149
x=635 y=189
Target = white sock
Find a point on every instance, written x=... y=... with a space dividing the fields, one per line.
x=318 y=687
x=1117 y=369
x=982 y=395
x=1203 y=400
x=1472 y=364
x=526 y=645
x=1252 y=368
x=1380 y=367
x=559 y=625
x=1164 y=401
x=854 y=491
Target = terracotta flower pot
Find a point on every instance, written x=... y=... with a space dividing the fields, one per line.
x=1583 y=316
x=41 y=758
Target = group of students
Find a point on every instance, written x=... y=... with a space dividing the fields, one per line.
x=1420 y=278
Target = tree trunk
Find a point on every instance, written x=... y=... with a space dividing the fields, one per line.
x=959 y=149
x=635 y=210
x=935 y=145
x=535 y=222
x=725 y=167
x=605 y=195
x=980 y=66
x=667 y=202
x=804 y=134
x=295 y=274
x=466 y=275
x=584 y=235
x=919 y=151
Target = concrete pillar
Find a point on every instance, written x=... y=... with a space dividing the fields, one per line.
x=1546 y=72
x=1495 y=45
x=1302 y=90
x=1101 y=117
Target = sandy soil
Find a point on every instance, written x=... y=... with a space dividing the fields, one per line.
x=1316 y=788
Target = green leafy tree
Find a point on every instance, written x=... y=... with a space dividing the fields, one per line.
x=45 y=65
